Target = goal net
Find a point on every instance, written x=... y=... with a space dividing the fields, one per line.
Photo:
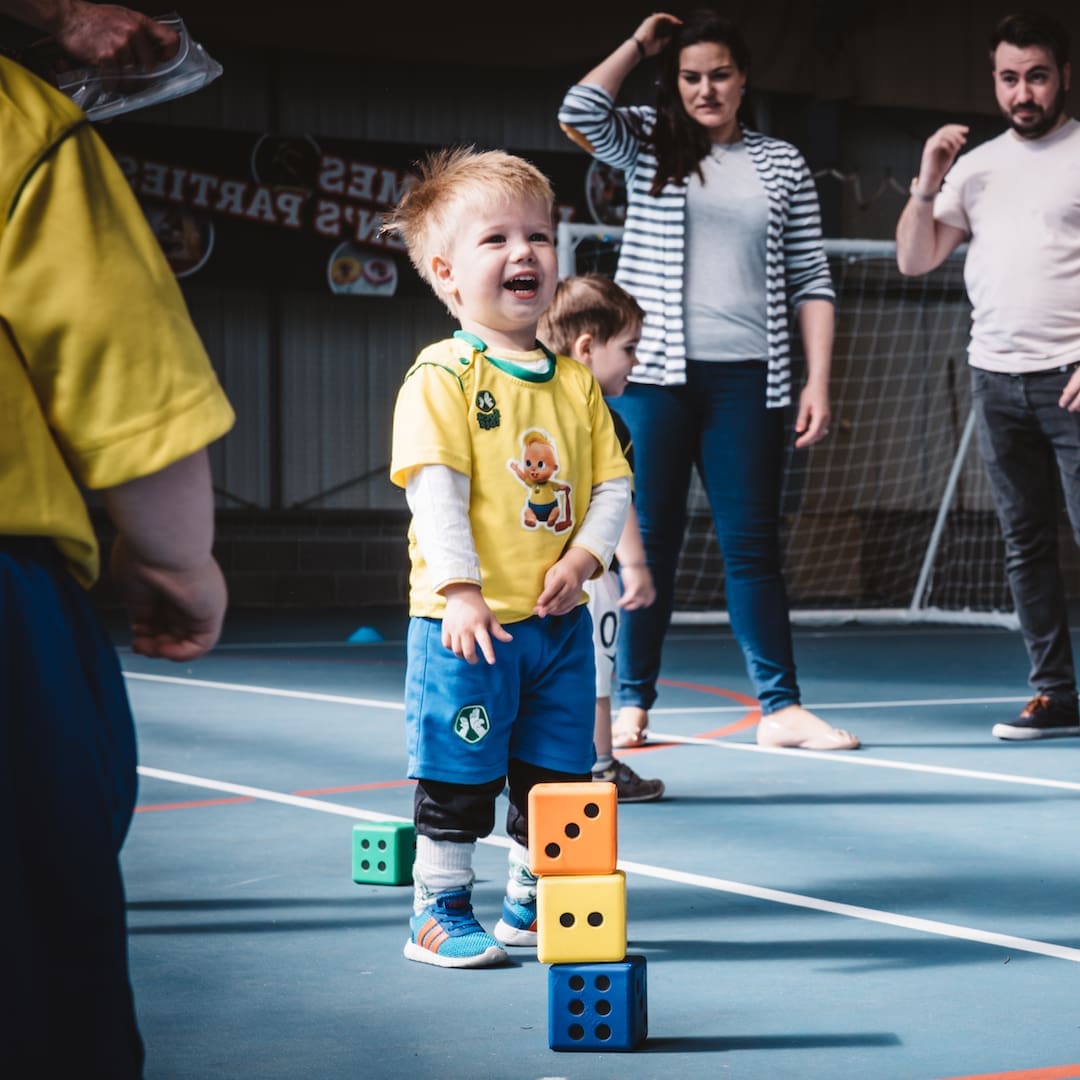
x=890 y=518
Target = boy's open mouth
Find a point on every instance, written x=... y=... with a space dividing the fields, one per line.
x=524 y=283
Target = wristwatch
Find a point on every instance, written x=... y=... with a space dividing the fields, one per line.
x=917 y=194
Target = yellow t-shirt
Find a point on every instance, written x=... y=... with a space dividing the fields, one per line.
x=103 y=377
x=533 y=447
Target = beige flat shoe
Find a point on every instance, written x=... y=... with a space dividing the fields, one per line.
x=798 y=728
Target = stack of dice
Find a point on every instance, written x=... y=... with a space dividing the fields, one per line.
x=596 y=993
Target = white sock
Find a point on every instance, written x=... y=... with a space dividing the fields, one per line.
x=440 y=866
x=603 y=762
x=521 y=881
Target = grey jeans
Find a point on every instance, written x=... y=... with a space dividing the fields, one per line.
x=1024 y=437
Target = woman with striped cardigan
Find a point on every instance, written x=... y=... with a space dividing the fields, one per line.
x=722 y=240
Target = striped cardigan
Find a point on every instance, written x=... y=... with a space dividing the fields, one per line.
x=650 y=265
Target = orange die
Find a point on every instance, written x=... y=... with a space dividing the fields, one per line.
x=573 y=828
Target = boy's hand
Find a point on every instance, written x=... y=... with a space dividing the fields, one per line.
x=468 y=622
x=563 y=583
x=638 y=589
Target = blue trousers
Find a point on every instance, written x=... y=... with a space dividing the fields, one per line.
x=1027 y=442
x=67 y=778
x=718 y=421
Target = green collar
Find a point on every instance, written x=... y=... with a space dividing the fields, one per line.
x=508 y=365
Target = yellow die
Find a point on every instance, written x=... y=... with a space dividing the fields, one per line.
x=581 y=919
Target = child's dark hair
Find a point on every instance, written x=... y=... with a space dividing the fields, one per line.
x=587 y=304
x=679 y=142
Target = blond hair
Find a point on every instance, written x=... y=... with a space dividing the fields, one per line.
x=587 y=304
x=450 y=182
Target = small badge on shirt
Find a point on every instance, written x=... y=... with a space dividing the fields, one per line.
x=487 y=414
x=472 y=723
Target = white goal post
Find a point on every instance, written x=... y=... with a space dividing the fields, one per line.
x=890 y=519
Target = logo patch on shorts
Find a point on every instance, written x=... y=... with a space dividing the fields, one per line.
x=472 y=724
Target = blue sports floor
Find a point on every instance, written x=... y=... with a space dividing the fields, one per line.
x=908 y=911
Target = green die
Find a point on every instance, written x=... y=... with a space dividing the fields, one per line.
x=383 y=853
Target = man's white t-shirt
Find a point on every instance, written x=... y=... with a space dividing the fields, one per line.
x=1019 y=201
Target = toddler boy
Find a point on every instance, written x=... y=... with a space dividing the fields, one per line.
x=518 y=491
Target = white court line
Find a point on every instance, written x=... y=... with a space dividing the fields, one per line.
x=896 y=703
x=308 y=695
x=270 y=691
x=844 y=758
x=690 y=740
x=775 y=896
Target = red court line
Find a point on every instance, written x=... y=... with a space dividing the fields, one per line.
x=748 y=721
x=1053 y=1072
x=742 y=699
x=190 y=805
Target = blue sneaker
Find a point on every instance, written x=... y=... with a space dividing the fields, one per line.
x=518 y=923
x=447 y=934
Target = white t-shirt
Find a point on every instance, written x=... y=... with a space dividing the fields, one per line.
x=1019 y=201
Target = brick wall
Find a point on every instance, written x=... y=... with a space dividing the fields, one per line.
x=324 y=559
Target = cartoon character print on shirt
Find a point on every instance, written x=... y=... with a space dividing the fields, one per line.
x=549 y=502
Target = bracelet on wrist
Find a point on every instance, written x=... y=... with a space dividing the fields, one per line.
x=642 y=54
x=918 y=194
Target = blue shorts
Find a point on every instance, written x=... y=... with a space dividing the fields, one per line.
x=465 y=722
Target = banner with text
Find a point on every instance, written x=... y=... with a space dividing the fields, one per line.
x=296 y=212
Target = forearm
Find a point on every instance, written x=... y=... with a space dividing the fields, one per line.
x=604 y=520
x=613 y=71
x=630 y=550
x=917 y=238
x=817 y=327
x=166 y=519
x=439 y=500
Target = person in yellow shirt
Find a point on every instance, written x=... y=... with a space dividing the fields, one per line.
x=500 y=676
x=105 y=386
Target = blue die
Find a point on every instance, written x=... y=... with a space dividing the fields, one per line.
x=597 y=1006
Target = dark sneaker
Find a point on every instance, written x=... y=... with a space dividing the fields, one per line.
x=1043 y=717
x=447 y=934
x=518 y=923
x=629 y=786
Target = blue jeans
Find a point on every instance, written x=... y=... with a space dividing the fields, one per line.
x=718 y=421
x=1024 y=438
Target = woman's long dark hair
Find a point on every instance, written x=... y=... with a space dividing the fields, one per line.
x=680 y=143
